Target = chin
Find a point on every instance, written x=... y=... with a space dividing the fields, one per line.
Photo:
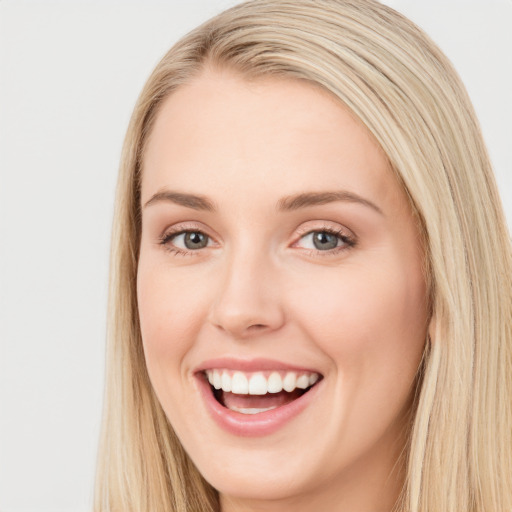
x=258 y=484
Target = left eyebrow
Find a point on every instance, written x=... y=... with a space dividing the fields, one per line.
x=295 y=202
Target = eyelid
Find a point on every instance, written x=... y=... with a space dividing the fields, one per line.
x=315 y=226
x=187 y=226
x=334 y=228
x=174 y=236
x=346 y=236
x=181 y=228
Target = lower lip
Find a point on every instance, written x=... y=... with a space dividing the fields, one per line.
x=253 y=425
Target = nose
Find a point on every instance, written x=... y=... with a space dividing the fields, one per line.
x=248 y=301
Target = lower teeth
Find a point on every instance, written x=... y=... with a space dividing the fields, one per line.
x=249 y=410
x=218 y=394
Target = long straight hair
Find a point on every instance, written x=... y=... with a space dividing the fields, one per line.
x=406 y=92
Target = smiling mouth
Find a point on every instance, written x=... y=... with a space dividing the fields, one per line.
x=258 y=392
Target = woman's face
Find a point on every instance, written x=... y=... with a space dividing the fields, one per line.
x=279 y=250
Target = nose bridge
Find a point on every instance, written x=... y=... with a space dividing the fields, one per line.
x=248 y=299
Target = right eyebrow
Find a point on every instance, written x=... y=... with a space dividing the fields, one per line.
x=188 y=200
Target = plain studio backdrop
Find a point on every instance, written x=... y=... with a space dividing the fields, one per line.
x=70 y=72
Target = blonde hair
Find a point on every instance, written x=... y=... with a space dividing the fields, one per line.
x=406 y=92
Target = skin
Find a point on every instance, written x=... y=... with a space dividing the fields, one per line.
x=261 y=288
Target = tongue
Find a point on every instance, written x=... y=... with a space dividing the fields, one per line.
x=230 y=400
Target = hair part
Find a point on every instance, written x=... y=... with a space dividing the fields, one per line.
x=397 y=82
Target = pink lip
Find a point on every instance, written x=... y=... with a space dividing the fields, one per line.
x=252 y=365
x=252 y=425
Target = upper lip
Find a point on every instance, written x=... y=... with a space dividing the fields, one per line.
x=251 y=365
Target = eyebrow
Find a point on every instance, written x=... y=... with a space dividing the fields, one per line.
x=189 y=200
x=285 y=204
x=306 y=199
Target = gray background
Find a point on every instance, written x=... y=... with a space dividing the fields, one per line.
x=70 y=72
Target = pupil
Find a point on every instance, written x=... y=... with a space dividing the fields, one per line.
x=323 y=240
x=194 y=240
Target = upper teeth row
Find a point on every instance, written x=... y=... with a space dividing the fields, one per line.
x=257 y=384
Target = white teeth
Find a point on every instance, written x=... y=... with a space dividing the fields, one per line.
x=274 y=383
x=290 y=381
x=239 y=384
x=217 y=379
x=251 y=410
x=226 y=382
x=258 y=385
x=303 y=382
x=242 y=383
x=313 y=378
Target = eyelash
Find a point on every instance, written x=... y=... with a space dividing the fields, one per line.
x=348 y=241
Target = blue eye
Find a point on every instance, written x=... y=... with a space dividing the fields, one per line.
x=185 y=242
x=192 y=239
x=323 y=241
x=326 y=240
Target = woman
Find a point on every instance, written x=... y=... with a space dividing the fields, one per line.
x=311 y=288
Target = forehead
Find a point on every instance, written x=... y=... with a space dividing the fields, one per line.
x=222 y=132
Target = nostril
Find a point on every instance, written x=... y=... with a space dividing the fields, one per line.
x=257 y=327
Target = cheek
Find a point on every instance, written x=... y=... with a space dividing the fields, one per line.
x=370 y=320
x=168 y=310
